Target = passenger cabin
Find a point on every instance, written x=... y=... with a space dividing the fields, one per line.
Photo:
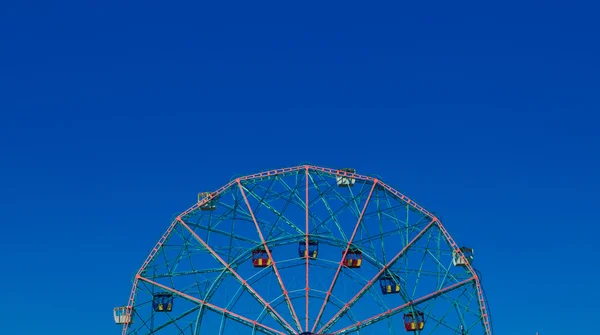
x=353 y=258
x=123 y=315
x=211 y=205
x=313 y=249
x=390 y=284
x=260 y=258
x=469 y=256
x=345 y=181
x=414 y=321
x=162 y=302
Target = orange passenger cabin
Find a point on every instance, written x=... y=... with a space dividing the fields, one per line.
x=353 y=258
x=260 y=258
x=414 y=321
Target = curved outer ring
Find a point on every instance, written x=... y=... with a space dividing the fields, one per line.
x=480 y=296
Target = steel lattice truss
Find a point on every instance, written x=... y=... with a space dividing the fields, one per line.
x=204 y=261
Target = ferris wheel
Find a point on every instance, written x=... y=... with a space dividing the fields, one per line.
x=306 y=250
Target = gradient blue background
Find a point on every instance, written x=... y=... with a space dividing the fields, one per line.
x=113 y=117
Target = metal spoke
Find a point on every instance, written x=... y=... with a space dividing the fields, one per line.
x=337 y=272
x=242 y=281
x=373 y=280
x=401 y=308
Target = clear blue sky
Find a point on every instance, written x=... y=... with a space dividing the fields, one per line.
x=113 y=117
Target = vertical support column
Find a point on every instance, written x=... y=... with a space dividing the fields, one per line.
x=306 y=252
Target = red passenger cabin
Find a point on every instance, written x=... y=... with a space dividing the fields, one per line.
x=353 y=258
x=414 y=321
x=260 y=258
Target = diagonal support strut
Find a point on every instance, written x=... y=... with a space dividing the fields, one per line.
x=273 y=263
x=255 y=294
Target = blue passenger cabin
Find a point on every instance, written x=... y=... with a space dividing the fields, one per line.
x=313 y=249
x=390 y=283
x=162 y=302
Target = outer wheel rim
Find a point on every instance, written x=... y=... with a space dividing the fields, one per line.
x=308 y=170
